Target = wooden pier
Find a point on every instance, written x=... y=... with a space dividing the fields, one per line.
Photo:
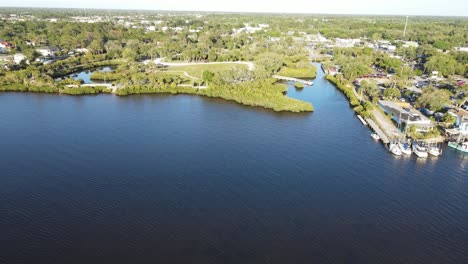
x=284 y=78
x=378 y=131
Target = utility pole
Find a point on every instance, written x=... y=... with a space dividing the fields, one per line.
x=406 y=25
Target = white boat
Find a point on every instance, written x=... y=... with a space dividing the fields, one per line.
x=375 y=136
x=420 y=151
x=395 y=149
x=405 y=148
x=435 y=151
x=459 y=146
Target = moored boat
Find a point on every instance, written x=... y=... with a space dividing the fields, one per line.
x=463 y=147
x=435 y=151
x=395 y=149
x=405 y=148
x=420 y=151
x=375 y=136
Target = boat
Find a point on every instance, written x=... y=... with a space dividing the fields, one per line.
x=463 y=147
x=435 y=151
x=395 y=149
x=375 y=136
x=405 y=148
x=309 y=83
x=420 y=151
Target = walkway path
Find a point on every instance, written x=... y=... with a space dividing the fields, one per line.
x=249 y=64
x=279 y=77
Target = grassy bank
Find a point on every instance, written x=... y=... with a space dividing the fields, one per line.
x=197 y=70
x=300 y=73
x=259 y=93
x=363 y=108
x=17 y=87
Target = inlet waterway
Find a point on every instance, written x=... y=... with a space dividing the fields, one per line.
x=188 y=179
x=85 y=75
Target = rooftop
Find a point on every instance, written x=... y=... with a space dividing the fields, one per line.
x=407 y=114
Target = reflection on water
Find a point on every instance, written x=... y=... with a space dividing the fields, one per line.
x=86 y=74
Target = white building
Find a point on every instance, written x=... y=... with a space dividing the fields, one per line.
x=410 y=44
x=81 y=50
x=47 y=51
x=406 y=117
x=18 y=58
x=346 y=43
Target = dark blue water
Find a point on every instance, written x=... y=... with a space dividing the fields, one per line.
x=186 y=179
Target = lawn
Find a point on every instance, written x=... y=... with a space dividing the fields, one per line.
x=197 y=70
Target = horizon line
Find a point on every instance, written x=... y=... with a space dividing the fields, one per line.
x=230 y=12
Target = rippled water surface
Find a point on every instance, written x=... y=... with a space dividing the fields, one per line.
x=186 y=179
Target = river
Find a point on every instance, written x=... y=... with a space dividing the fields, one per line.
x=188 y=179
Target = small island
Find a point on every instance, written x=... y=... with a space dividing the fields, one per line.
x=299 y=85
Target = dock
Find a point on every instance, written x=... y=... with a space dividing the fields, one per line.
x=284 y=78
x=362 y=120
x=108 y=85
x=378 y=131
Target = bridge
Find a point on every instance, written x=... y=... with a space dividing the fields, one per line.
x=284 y=78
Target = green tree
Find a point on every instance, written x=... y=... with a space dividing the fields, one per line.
x=208 y=76
x=129 y=54
x=392 y=93
x=443 y=63
x=371 y=89
x=434 y=99
x=449 y=119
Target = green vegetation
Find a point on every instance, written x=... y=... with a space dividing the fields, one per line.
x=371 y=89
x=392 y=93
x=302 y=73
x=17 y=87
x=298 y=67
x=84 y=90
x=257 y=93
x=434 y=99
x=198 y=70
x=413 y=133
x=107 y=76
x=299 y=85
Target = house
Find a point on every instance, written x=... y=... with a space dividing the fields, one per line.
x=462 y=120
x=346 y=43
x=47 y=51
x=81 y=50
x=405 y=117
x=18 y=58
x=6 y=45
x=410 y=44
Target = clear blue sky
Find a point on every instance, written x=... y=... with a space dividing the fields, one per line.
x=387 y=7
